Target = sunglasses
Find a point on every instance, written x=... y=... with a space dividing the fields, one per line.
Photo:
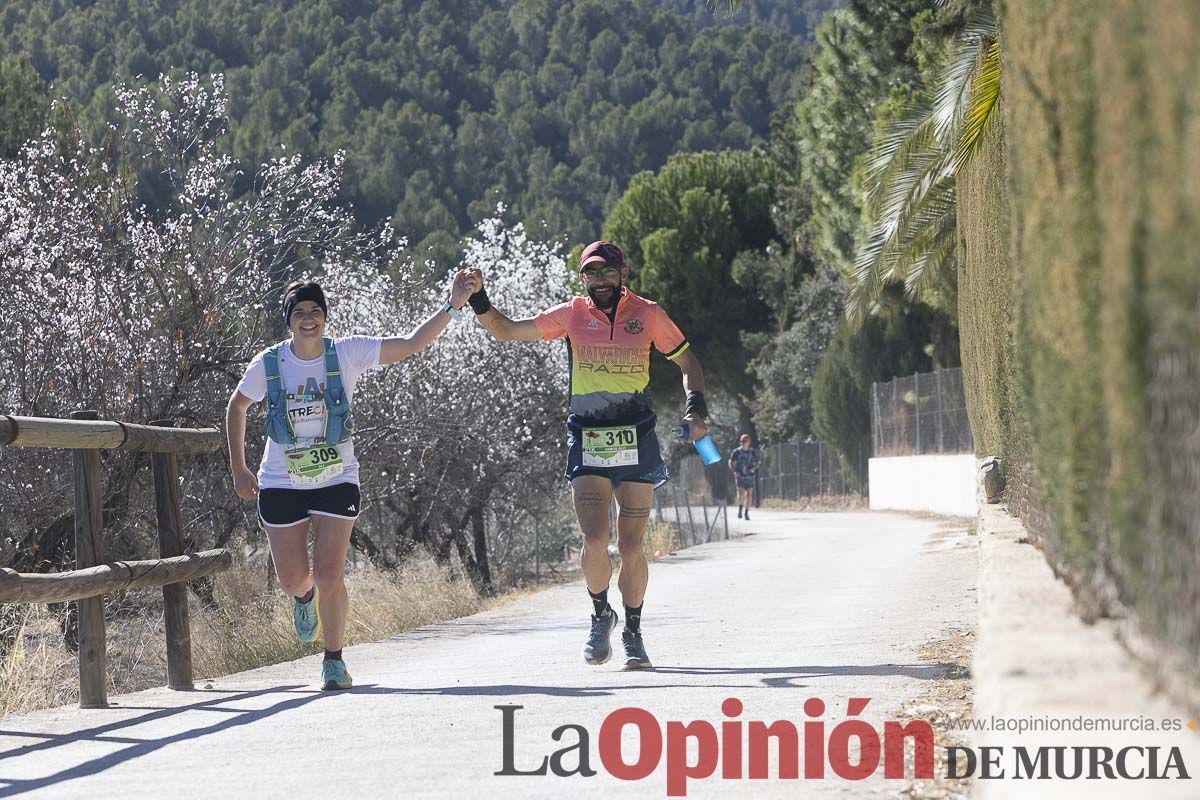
x=607 y=273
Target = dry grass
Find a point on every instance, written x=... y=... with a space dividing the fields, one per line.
x=251 y=628
x=659 y=541
x=944 y=700
x=823 y=502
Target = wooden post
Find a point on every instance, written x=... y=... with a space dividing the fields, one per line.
x=89 y=551
x=170 y=544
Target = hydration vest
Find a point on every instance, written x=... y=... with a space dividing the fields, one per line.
x=339 y=425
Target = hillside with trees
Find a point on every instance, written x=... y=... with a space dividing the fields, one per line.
x=444 y=108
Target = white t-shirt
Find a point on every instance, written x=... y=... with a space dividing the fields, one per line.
x=305 y=383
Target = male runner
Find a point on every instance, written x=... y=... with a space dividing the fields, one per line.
x=744 y=461
x=612 y=447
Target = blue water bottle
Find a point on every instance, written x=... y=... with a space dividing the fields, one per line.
x=705 y=445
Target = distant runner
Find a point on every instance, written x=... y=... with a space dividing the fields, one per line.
x=309 y=475
x=612 y=447
x=744 y=463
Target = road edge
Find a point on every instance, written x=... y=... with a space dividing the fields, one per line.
x=1034 y=653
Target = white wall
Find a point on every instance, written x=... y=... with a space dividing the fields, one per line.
x=942 y=484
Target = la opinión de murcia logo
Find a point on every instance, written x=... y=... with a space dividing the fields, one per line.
x=741 y=749
x=731 y=745
x=1132 y=763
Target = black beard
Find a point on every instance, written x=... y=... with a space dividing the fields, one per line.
x=613 y=297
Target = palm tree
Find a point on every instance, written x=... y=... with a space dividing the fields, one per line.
x=911 y=175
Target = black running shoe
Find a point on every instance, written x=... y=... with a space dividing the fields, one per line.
x=597 y=650
x=635 y=650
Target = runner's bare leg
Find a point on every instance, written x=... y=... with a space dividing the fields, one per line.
x=593 y=495
x=329 y=570
x=289 y=553
x=633 y=502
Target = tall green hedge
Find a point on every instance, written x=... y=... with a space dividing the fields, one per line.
x=1091 y=344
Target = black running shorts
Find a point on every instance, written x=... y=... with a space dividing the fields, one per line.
x=279 y=508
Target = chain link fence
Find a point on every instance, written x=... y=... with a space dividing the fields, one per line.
x=794 y=470
x=922 y=413
x=697 y=512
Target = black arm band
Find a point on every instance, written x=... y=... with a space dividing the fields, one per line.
x=695 y=405
x=479 y=302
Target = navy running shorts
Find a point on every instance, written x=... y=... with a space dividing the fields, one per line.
x=650 y=468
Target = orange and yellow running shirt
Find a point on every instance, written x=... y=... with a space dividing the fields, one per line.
x=610 y=359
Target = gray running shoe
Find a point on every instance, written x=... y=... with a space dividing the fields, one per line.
x=635 y=651
x=597 y=650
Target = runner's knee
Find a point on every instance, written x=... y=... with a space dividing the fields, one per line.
x=629 y=548
x=329 y=576
x=295 y=584
x=594 y=536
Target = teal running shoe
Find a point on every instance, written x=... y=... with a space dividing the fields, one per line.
x=597 y=650
x=334 y=675
x=307 y=617
x=635 y=650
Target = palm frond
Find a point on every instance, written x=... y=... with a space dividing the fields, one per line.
x=985 y=100
x=910 y=179
x=954 y=82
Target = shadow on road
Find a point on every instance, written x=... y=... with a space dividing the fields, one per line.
x=925 y=672
x=10 y=787
x=775 y=677
x=770 y=677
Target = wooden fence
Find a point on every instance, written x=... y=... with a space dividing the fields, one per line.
x=85 y=435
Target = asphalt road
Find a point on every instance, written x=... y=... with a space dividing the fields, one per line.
x=828 y=606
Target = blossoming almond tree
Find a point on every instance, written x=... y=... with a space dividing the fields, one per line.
x=469 y=429
x=147 y=311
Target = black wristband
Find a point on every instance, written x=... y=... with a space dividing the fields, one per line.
x=479 y=302
x=695 y=405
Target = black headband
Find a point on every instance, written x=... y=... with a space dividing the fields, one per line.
x=306 y=291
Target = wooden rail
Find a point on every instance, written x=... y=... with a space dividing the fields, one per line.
x=115 y=576
x=84 y=434
x=88 y=433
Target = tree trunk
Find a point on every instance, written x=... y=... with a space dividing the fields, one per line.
x=481 y=552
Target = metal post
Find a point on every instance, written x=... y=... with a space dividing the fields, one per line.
x=862 y=476
x=799 y=472
x=820 y=467
x=896 y=402
x=779 y=463
x=675 y=502
x=875 y=422
x=170 y=544
x=941 y=412
x=687 y=502
x=537 y=549
x=89 y=551
x=917 y=404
